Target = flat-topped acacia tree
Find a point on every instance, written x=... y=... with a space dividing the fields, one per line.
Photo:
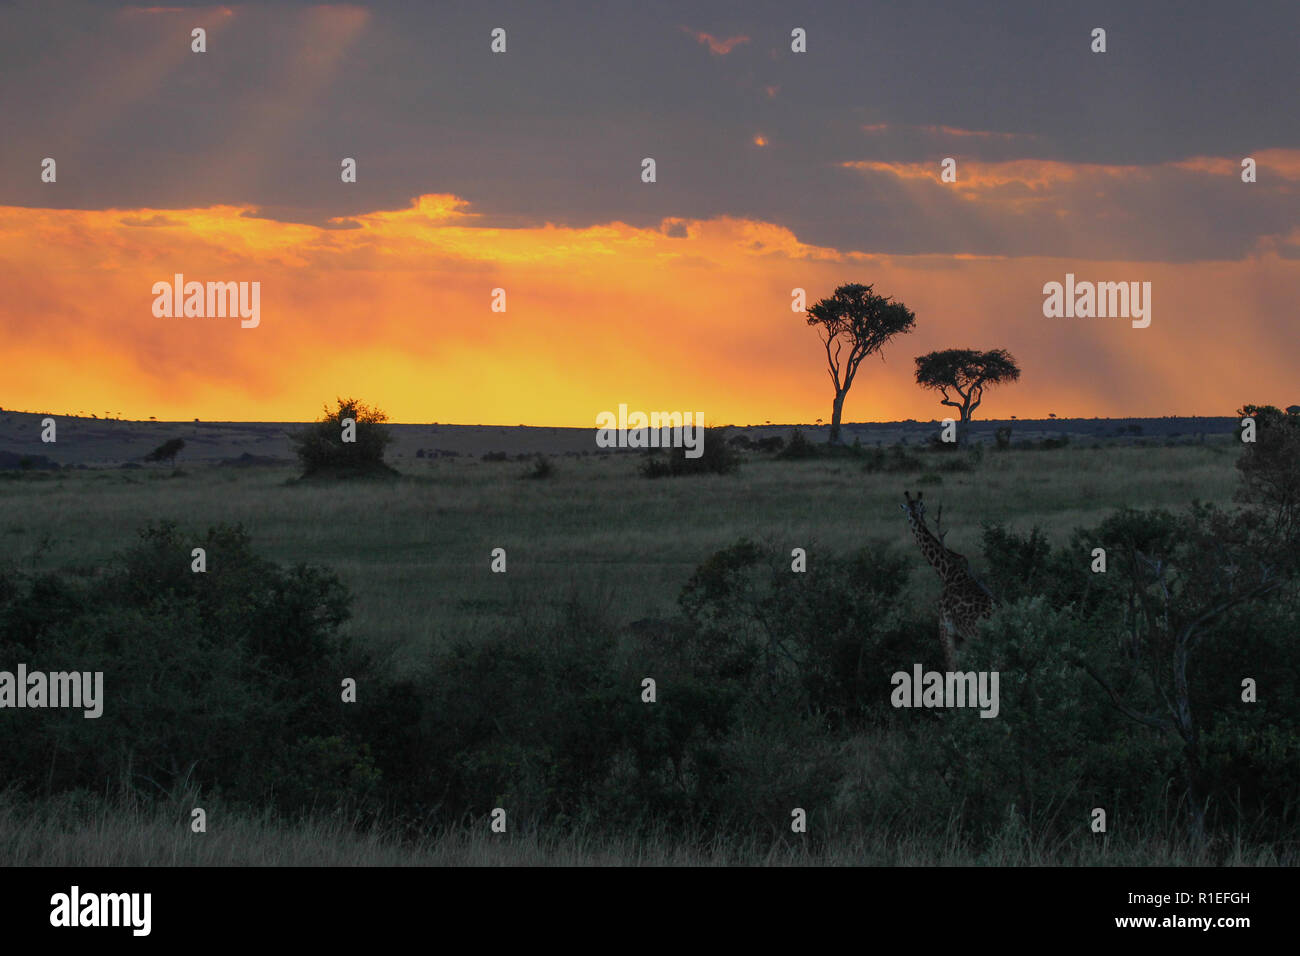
x=967 y=373
x=859 y=321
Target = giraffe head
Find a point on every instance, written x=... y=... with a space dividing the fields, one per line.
x=914 y=509
x=932 y=545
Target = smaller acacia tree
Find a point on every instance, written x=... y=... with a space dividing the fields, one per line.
x=966 y=373
x=333 y=446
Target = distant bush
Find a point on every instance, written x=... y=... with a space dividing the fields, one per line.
x=541 y=470
x=494 y=456
x=798 y=448
x=895 y=459
x=167 y=451
x=323 y=452
x=1046 y=444
x=9 y=459
x=717 y=456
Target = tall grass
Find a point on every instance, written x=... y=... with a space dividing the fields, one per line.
x=86 y=831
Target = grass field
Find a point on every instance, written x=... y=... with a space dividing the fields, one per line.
x=414 y=552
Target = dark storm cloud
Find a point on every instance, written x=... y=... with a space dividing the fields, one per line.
x=555 y=129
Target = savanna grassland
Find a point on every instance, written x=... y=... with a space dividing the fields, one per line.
x=523 y=689
x=415 y=552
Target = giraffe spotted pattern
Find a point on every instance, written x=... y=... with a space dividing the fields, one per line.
x=964 y=600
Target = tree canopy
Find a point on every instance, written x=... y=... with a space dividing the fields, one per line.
x=966 y=372
x=853 y=323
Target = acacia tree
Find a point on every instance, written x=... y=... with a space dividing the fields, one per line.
x=856 y=319
x=967 y=373
x=1180 y=576
x=1270 y=466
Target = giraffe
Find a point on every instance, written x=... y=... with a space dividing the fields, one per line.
x=964 y=601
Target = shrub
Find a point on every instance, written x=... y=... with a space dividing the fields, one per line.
x=798 y=448
x=226 y=680
x=817 y=639
x=554 y=727
x=717 y=456
x=896 y=459
x=1188 y=604
x=323 y=452
x=1056 y=748
x=955 y=464
x=167 y=451
x=1018 y=565
x=541 y=470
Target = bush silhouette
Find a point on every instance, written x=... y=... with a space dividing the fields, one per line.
x=798 y=447
x=541 y=470
x=167 y=451
x=323 y=450
x=718 y=456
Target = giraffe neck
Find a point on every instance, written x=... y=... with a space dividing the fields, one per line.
x=940 y=558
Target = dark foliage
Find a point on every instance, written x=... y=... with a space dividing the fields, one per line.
x=226 y=680
x=716 y=456
x=167 y=451
x=323 y=452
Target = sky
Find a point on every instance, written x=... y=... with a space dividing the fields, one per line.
x=775 y=170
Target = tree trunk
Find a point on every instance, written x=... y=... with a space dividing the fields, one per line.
x=1195 y=797
x=1191 y=740
x=837 y=412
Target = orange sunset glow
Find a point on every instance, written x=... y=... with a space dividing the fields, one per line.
x=396 y=305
